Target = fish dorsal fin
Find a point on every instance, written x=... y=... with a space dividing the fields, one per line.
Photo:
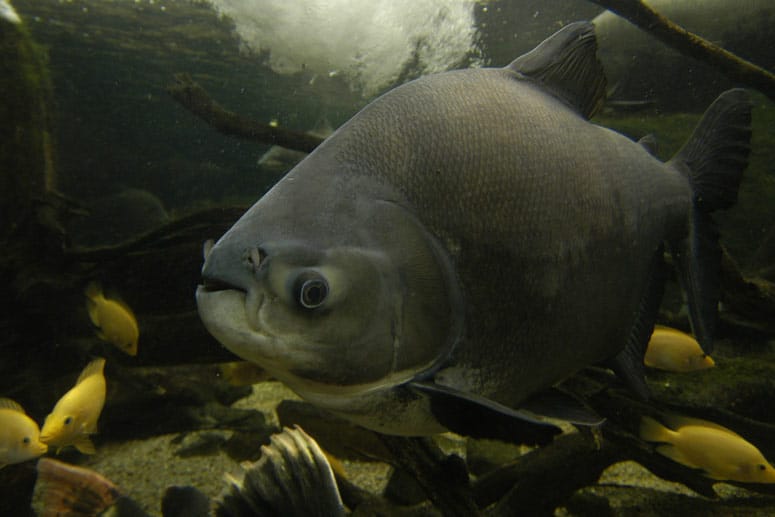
x=675 y=422
x=93 y=368
x=10 y=404
x=566 y=65
x=649 y=143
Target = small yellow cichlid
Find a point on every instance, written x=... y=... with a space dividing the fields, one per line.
x=114 y=320
x=675 y=351
x=19 y=435
x=75 y=416
x=719 y=452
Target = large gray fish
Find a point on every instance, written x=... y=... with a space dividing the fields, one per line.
x=468 y=240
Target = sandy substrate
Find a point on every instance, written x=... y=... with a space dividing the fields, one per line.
x=144 y=469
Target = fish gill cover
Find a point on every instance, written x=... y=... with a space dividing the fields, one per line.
x=371 y=44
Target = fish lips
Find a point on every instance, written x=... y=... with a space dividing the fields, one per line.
x=225 y=315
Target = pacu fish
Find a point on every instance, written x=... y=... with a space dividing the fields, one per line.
x=671 y=350
x=75 y=415
x=19 y=435
x=719 y=452
x=114 y=320
x=468 y=240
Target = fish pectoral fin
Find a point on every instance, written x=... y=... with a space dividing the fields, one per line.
x=85 y=446
x=674 y=453
x=555 y=403
x=472 y=415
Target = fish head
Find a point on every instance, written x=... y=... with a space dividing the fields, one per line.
x=332 y=285
x=757 y=471
x=129 y=346
x=26 y=442
x=55 y=428
x=699 y=362
x=61 y=426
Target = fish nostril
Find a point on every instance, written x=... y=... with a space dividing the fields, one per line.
x=254 y=258
x=207 y=247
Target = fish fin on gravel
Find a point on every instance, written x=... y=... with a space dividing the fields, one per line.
x=628 y=364
x=713 y=160
x=567 y=66
x=472 y=415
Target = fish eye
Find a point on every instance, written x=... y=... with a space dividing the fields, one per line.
x=68 y=420
x=310 y=289
x=762 y=467
x=26 y=440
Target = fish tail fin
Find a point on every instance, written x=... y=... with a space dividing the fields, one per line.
x=95 y=367
x=713 y=161
x=653 y=431
x=93 y=290
x=64 y=489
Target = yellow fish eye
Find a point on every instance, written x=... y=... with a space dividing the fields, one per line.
x=26 y=440
x=68 y=420
x=762 y=467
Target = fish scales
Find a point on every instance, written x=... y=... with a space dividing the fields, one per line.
x=528 y=213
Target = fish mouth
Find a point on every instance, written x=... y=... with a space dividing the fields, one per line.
x=230 y=314
x=211 y=284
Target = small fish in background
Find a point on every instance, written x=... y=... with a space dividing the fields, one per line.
x=63 y=489
x=242 y=373
x=719 y=452
x=671 y=350
x=114 y=320
x=75 y=416
x=19 y=435
x=294 y=476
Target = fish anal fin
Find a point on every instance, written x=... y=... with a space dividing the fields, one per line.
x=674 y=453
x=478 y=417
x=93 y=368
x=554 y=403
x=566 y=65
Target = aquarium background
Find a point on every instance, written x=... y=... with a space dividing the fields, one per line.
x=130 y=160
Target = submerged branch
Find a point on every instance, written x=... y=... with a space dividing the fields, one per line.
x=196 y=100
x=690 y=44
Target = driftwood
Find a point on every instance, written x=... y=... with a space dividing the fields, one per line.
x=195 y=99
x=692 y=45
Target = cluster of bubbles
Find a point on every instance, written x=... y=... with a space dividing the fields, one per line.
x=370 y=44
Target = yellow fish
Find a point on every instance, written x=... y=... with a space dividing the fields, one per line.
x=719 y=452
x=242 y=373
x=19 y=435
x=75 y=416
x=675 y=351
x=114 y=319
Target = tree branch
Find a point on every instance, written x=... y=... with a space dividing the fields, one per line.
x=196 y=100
x=692 y=45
